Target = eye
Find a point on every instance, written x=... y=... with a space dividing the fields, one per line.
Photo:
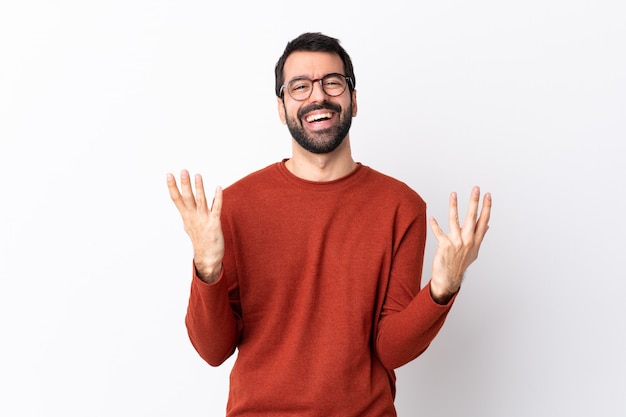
x=334 y=81
x=299 y=85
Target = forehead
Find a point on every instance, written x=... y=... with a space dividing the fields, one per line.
x=312 y=64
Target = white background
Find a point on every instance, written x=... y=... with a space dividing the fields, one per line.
x=100 y=99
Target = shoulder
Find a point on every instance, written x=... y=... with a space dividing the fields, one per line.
x=253 y=181
x=393 y=189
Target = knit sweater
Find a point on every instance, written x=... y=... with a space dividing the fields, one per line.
x=320 y=294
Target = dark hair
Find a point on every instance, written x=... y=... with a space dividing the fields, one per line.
x=314 y=42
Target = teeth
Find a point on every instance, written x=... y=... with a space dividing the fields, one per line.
x=316 y=117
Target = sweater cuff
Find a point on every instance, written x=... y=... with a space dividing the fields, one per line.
x=197 y=281
x=446 y=305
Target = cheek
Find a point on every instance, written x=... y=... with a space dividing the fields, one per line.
x=290 y=112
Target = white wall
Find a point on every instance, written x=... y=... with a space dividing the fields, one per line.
x=99 y=99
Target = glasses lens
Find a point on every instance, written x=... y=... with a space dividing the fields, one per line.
x=300 y=88
x=334 y=84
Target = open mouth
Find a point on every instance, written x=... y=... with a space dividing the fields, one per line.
x=319 y=117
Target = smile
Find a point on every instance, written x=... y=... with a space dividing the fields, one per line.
x=318 y=117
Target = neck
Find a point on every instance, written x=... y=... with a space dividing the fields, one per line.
x=321 y=167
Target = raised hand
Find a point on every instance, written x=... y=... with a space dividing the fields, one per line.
x=202 y=224
x=457 y=250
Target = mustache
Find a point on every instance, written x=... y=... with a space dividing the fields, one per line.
x=325 y=105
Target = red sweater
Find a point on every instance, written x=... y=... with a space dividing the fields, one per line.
x=320 y=294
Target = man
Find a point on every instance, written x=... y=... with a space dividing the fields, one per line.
x=311 y=267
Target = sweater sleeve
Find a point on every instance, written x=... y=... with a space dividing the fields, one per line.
x=212 y=323
x=410 y=318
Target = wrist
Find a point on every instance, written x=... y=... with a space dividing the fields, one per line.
x=208 y=274
x=441 y=295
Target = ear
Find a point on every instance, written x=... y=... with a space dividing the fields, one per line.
x=281 y=110
x=354 y=105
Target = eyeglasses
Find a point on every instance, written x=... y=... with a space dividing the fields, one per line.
x=300 y=88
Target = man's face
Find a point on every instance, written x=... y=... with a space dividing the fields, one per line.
x=320 y=123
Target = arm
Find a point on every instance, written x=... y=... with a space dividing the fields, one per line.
x=411 y=318
x=211 y=323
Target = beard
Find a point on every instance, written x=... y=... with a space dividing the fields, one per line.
x=322 y=141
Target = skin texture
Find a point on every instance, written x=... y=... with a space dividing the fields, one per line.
x=202 y=224
x=455 y=251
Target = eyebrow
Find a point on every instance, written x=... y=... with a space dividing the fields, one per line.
x=304 y=77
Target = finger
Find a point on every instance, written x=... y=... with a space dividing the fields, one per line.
x=453 y=214
x=216 y=208
x=485 y=214
x=173 y=189
x=187 y=192
x=434 y=226
x=472 y=210
x=200 y=195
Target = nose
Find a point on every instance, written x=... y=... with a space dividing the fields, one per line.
x=318 y=93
